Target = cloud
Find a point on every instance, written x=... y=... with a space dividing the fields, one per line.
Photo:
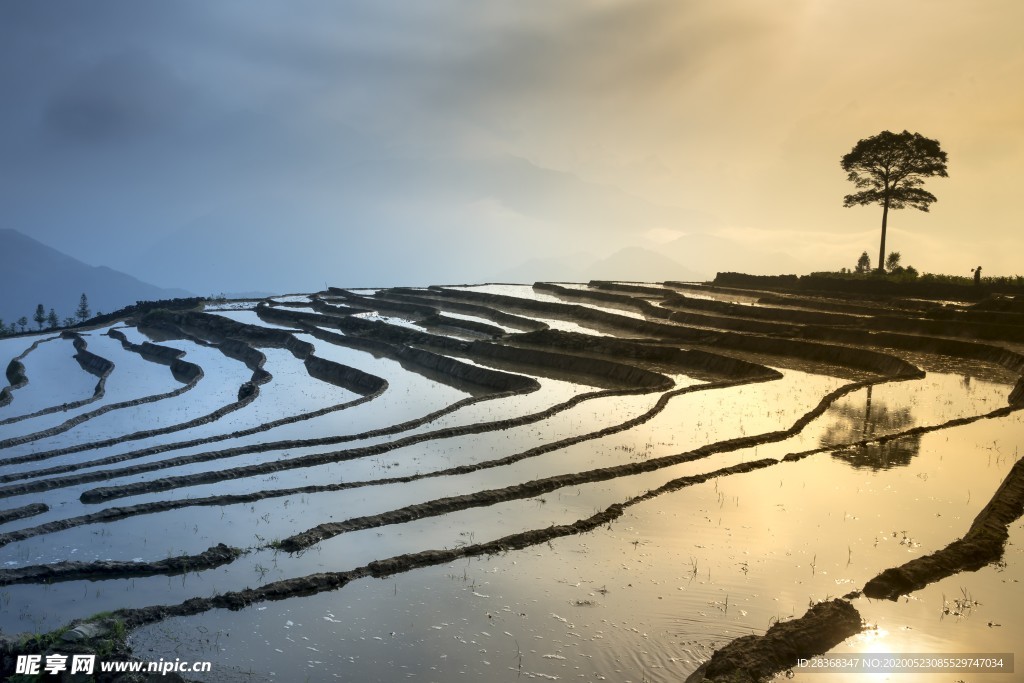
x=128 y=122
x=126 y=94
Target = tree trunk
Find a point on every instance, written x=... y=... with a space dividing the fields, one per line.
x=868 y=429
x=881 y=249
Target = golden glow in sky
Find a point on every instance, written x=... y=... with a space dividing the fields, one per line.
x=459 y=141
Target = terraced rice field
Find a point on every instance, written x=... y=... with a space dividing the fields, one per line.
x=560 y=482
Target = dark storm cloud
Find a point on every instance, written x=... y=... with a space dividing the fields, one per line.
x=108 y=68
x=125 y=94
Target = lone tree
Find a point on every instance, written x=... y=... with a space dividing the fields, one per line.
x=39 y=316
x=52 y=320
x=890 y=169
x=83 y=312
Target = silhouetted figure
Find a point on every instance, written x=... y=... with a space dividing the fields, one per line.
x=977 y=276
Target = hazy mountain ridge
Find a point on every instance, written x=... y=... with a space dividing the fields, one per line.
x=409 y=221
x=34 y=273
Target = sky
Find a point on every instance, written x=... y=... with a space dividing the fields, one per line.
x=281 y=146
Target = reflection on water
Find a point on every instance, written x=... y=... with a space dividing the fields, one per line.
x=861 y=417
x=882 y=456
x=647 y=597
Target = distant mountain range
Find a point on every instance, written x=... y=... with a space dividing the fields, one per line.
x=389 y=222
x=32 y=273
x=629 y=263
x=416 y=221
x=694 y=257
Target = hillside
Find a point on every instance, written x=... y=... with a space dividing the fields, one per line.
x=34 y=273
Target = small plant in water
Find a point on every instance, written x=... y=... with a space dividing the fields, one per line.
x=960 y=607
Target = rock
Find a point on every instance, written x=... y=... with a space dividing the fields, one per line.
x=86 y=631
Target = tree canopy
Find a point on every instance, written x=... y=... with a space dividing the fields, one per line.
x=863 y=263
x=889 y=169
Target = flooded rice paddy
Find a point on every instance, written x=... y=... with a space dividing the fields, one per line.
x=613 y=496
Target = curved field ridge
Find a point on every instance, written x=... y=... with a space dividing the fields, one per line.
x=585 y=371
x=424 y=315
x=317 y=583
x=541 y=486
x=312 y=460
x=355 y=380
x=317 y=440
x=91 y=363
x=183 y=371
x=982 y=545
x=756 y=658
x=493 y=314
x=15 y=373
x=76 y=571
x=489 y=497
x=23 y=512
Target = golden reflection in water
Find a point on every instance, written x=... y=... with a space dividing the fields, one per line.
x=874 y=642
x=860 y=417
x=871 y=641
